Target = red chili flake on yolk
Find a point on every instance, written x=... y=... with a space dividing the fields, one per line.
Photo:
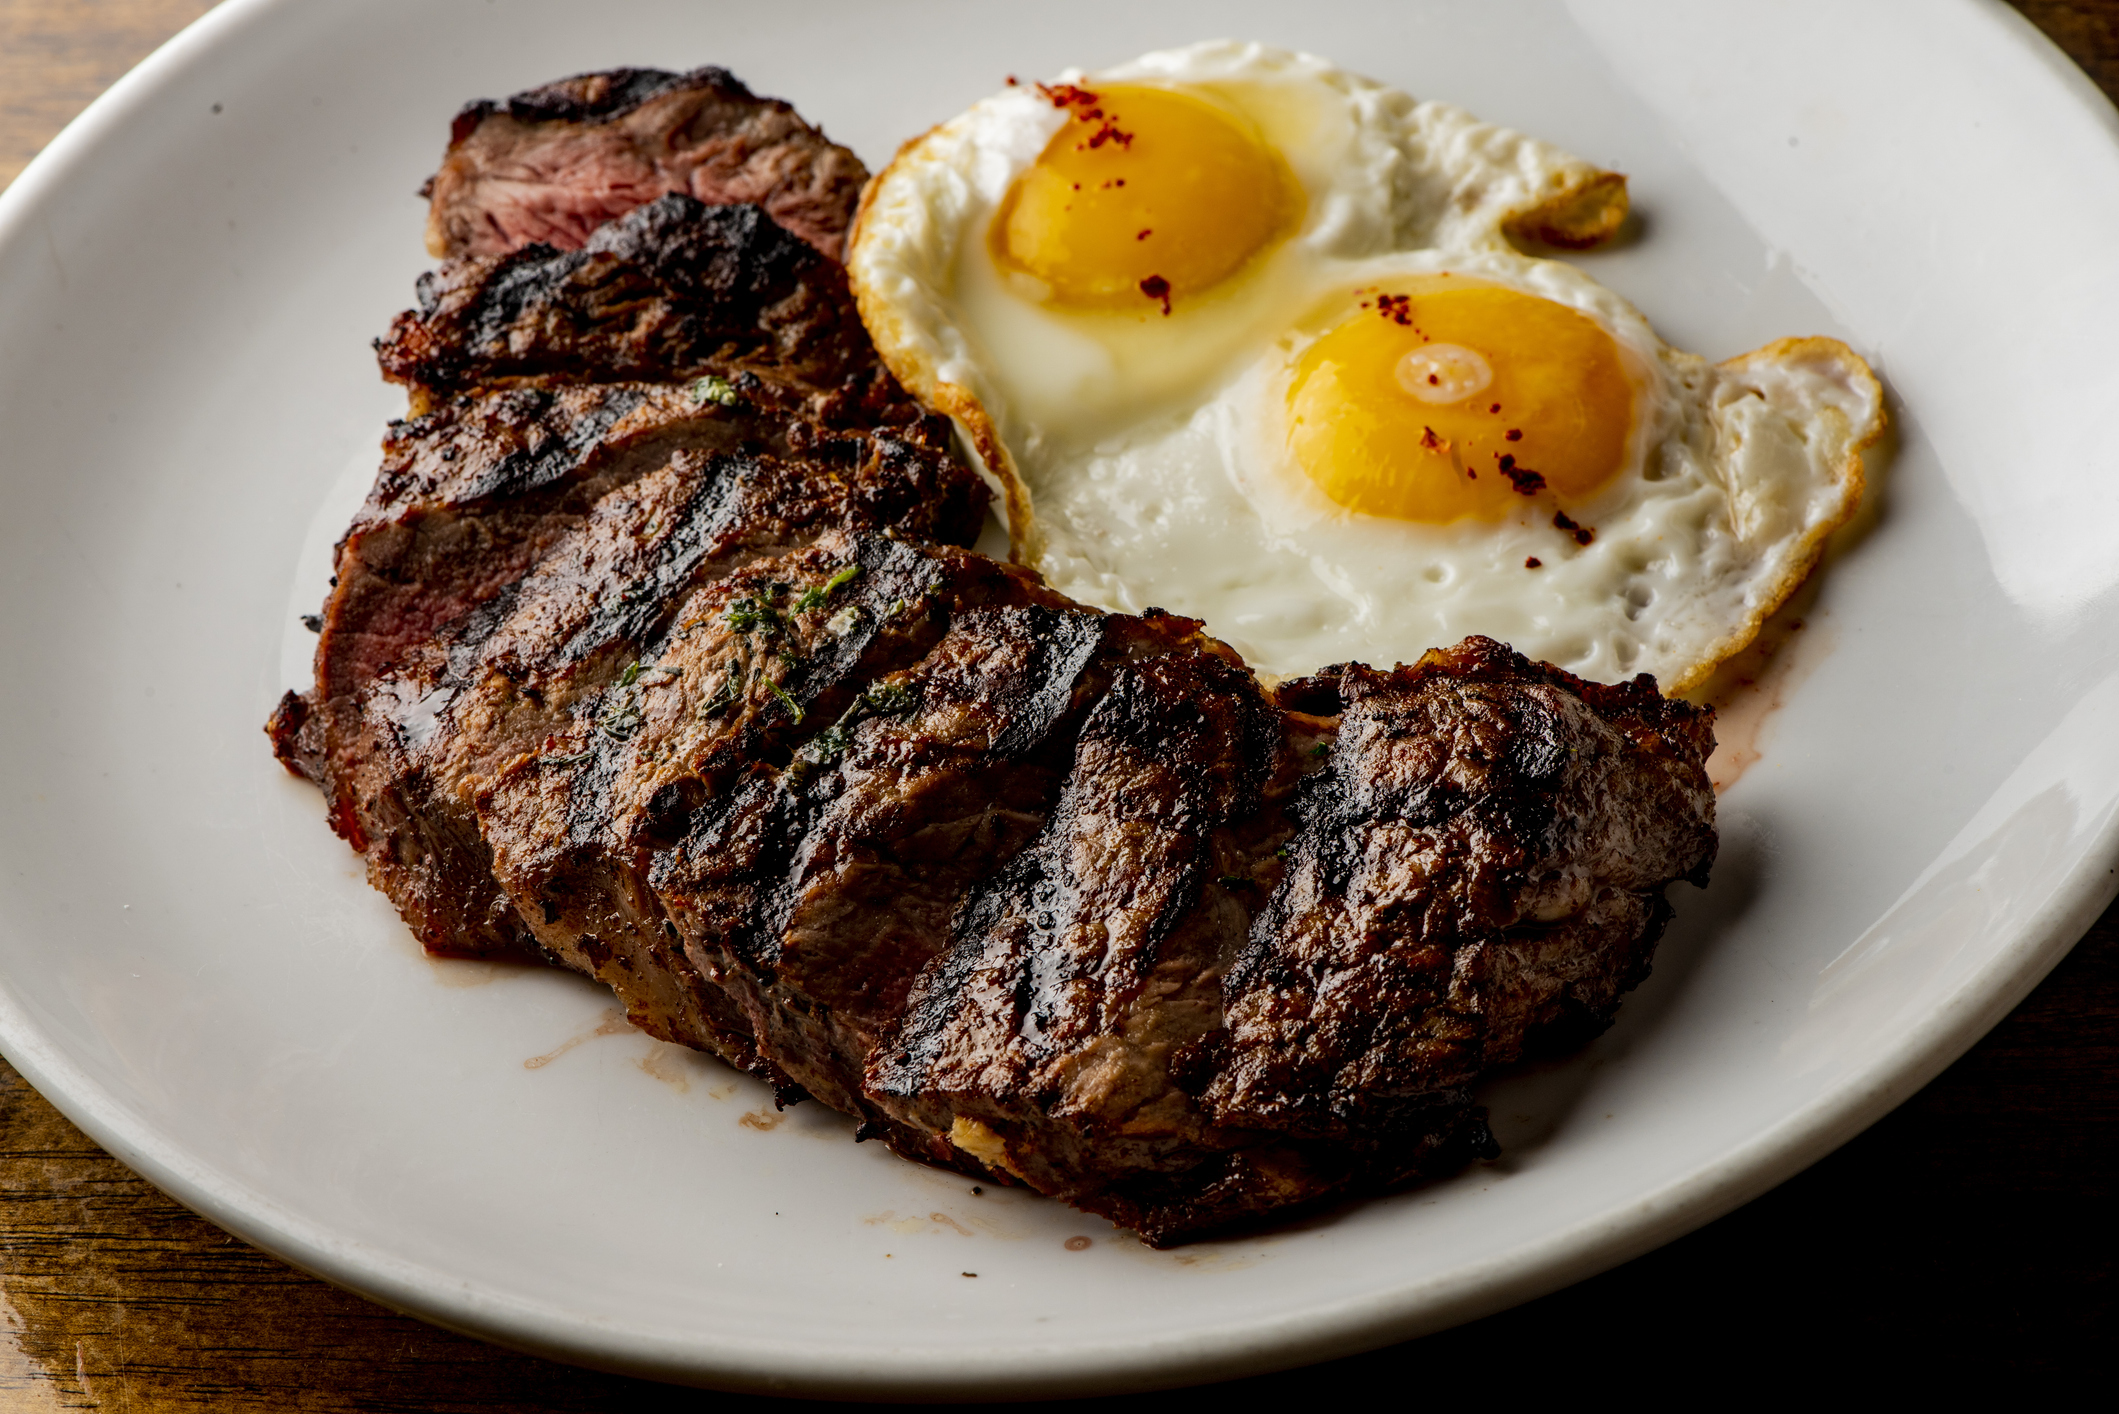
x=1145 y=232
x=1495 y=408
x=1514 y=434
x=1526 y=481
x=1398 y=309
x=1109 y=132
x=1155 y=287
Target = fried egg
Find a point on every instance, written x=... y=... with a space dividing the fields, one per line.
x=1249 y=338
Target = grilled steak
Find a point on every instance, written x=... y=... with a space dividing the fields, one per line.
x=1229 y=896
x=654 y=654
x=413 y=744
x=1045 y=894
x=673 y=290
x=472 y=494
x=552 y=164
x=1482 y=868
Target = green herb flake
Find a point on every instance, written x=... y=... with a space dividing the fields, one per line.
x=830 y=743
x=748 y=615
x=885 y=701
x=890 y=699
x=715 y=389
x=725 y=697
x=621 y=720
x=815 y=596
x=794 y=708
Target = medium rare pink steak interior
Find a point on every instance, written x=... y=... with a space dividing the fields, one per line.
x=552 y=164
x=657 y=653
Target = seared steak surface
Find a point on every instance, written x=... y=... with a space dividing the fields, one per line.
x=552 y=164
x=654 y=654
x=673 y=290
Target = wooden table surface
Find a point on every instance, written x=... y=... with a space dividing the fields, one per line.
x=1958 y=1234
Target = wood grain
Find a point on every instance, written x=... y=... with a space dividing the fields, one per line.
x=1958 y=1234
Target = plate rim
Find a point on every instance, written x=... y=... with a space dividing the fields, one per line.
x=1256 y=1346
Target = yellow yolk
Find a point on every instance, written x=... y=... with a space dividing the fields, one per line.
x=1447 y=397
x=1145 y=197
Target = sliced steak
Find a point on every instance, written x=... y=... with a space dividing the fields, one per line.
x=697 y=745
x=672 y=292
x=551 y=164
x=1035 y=892
x=819 y=892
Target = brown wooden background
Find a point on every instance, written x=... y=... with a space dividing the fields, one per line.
x=1967 y=1234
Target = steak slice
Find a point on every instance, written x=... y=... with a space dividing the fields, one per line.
x=552 y=164
x=1480 y=871
x=1326 y=950
x=672 y=291
x=474 y=493
x=412 y=748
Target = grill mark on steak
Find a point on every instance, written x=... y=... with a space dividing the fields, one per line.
x=553 y=163
x=1097 y=952
x=674 y=290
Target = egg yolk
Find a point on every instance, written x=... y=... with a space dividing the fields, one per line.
x=1447 y=397
x=1146 y=196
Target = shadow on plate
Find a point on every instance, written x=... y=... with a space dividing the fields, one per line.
x=1532 y=1104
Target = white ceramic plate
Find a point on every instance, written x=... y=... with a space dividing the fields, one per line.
x=195 y=973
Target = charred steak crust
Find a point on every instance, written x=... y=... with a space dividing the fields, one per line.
x=552 y=164
x=651 y=655
x=673 y=290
